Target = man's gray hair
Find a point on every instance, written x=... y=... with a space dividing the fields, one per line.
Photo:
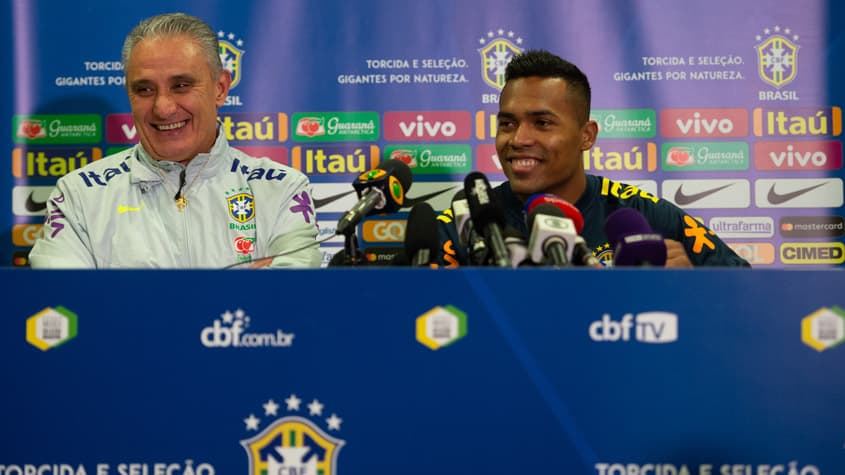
x=169 y=24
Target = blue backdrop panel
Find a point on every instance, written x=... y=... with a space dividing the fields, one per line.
x=545 y=377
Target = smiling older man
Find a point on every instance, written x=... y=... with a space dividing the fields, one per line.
x=182 y=197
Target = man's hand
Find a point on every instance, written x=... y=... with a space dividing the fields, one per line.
x=676 y=255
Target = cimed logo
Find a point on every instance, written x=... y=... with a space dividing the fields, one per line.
x=777 y=56
x=496 y=52
x=293 y=442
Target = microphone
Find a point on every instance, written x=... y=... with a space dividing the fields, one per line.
x=552 y=235
x=582 y=255
x=517 y=249
x=380 y=189
x=633 y=241
x=421 y=238
x=474 y=243
x=569 y=210
x=487 y=216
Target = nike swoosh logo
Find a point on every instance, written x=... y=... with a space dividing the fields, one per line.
x=683 y=199
x=320 y=202
x=410 y=202
x=124 y=209
x=776 y=198
x=34 y=206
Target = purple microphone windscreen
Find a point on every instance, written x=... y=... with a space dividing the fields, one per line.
x=625 y=222
x=421 y=230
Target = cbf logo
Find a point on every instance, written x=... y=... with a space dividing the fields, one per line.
x=650 y=327
x=230 y=331
x=604 y=253
x=294 y=442
x=777 y=56
x=824 y=328
x=497 y=51
x=231 y=55
x=241 y=205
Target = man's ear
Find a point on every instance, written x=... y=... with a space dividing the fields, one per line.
x=588 y=134
x=224 y=82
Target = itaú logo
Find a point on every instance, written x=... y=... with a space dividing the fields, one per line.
x=650 y=327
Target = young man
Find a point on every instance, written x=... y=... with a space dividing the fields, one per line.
x=544 y=127
x=182 y=198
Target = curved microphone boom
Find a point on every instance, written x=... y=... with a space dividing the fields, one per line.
x=381 y=189
x=633 y=241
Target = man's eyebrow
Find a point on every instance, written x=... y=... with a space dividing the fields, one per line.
x=139 y=82
x=537 y=113
x=183 y=77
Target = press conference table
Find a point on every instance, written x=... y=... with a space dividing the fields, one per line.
x=420 y=371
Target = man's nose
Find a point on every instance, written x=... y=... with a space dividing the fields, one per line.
x=164 y=104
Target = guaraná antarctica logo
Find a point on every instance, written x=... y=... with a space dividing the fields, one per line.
x=51 y=327
x=441 y=326
x=498 y=48
x=292 y=442
x=824 y=328
x=777 y=56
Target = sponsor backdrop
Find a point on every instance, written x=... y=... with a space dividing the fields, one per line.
x=471 y=379
x=730 y=109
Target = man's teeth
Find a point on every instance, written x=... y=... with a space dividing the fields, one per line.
x=176 y=125
x=524 y=162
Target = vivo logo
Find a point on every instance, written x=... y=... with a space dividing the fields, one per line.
x=699 y=125
x=704 y=122
x=430 y=125
x=422 y=128
x=805 y=155
x=649 y=327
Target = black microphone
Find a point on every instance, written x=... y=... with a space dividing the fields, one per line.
x=469 y=238
x=421 y=238
x=487 y=216
x=552 y=235
x=633 y=241
x=381 y=189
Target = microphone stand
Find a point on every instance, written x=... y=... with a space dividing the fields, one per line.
x=352 y=255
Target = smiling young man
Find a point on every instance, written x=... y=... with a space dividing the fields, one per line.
x=543 y=129
x=183 y=197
